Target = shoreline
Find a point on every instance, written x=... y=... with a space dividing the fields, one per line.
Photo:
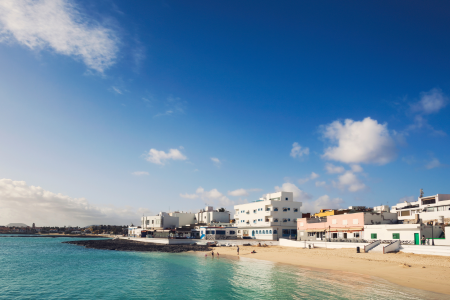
x=403 y=269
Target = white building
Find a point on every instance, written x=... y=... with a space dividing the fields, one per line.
x=406 y=233
x=165 y=220
x=218 y=233
x=271 y=217
x=209 y=215
x=425 y=209
x=134 y=231
x=177 y=219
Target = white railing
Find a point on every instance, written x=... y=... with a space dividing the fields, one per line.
x=372 y=245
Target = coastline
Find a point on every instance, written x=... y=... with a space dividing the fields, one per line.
x=424 y=272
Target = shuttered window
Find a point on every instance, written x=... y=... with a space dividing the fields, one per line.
x=373 y=236
x=396 y=236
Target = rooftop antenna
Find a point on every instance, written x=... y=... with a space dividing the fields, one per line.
x=421 y=193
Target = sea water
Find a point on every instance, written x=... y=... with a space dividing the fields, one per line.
x=45 y=268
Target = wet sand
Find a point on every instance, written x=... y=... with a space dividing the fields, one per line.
x=425 y=272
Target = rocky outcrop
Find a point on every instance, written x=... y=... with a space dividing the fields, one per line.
x=127 y=245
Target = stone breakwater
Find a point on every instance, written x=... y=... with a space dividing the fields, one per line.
x=127 y=245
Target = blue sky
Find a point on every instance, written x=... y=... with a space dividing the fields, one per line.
x=114 y=109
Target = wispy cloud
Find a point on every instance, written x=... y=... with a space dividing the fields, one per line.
x=242 y=192
x=216 y=161
x=160 y=157
x=430 y=102
x=310 y=177
x=60 y=26
x=349 y=181
x=298 y=151
x=173 y=105
x=433 y=163
x=209 y=197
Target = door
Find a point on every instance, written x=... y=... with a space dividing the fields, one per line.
x=345 y=235
x=253 y=233
x=416 y=238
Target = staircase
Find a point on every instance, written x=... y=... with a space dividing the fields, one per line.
x=378 y=248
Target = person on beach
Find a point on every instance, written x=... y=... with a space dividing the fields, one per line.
x=423 y=239
x=212 y=253
x=237 y=250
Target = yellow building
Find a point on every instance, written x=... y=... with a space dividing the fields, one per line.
x=330 y=212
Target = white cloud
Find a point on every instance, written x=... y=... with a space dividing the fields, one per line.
x=320 y=183
x=140 y=173
x=297 y=150
x=216 y=161
x=356 y=168
x=32 y=204
x=364 y=141
x=242 y=192
x=332 y=169
x=160 y=157
x=349 y=181
x=189 y=196
x=314 y=175
x=407 y=199
x=434 y=163
x=311 y=177
x=324 y=202
x=299 y=195
x=209 y=197
x=430 y=102
x=421 y=123
x=116 y=90
x=58 y=25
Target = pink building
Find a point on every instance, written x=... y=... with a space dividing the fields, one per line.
x=346 y=226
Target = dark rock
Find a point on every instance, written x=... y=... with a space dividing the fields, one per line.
x=128 y=245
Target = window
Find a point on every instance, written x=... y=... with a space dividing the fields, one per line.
x=233 y=231
x=334 y=235
x=254 y=211
x=405 y=213
x=311 y=234
x=396 y=236
x=275 y=232
x=275 y=209
x=264 y=232
x=289 y=220
x=270 y=231
x=284 y=220
x=344 y=222
x=287 y=199
x=373 y=236
x=295 y=209
x=289 y=208
x=208 y=231
x=356 y=234
x=275 y=220
x=284 y=209
x=254 y=221
x=334 y=221
x=213 y=232
x=355 y=221
x=268 y=209
x=260 y=232
x=220 y=231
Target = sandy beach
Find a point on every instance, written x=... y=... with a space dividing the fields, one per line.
x=426 y=272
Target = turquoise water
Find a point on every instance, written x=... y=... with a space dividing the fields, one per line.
x=44 y=268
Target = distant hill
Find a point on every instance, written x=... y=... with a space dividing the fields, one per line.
x=16 y=225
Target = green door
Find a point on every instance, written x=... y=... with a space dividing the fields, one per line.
x=416 y=238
